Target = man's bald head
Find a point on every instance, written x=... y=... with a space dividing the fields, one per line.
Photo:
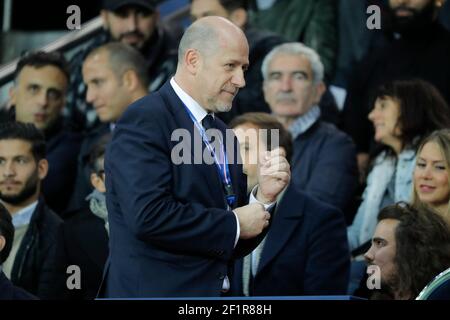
x=213 y=56
x=209 y=34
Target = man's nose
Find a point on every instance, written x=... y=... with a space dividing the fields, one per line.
x=90 y=95
x=368 y=256
x=9 y=170
x=239 y=79
x=286 y=84
x=131 y=22
x=42 y=98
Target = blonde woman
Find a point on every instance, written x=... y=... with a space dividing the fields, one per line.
x=431 y=173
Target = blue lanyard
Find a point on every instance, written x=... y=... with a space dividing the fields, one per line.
x=222 y=168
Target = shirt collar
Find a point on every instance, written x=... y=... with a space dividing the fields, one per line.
x=23 y=216
x=304 y=122
x=197 y=111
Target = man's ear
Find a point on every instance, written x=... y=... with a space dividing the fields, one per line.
x=2 y=242
x=192 y=60
x=239 y=17
x=12 y=95
x=42 y=168
x=130 y=80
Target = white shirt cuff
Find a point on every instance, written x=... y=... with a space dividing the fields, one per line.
x=254 y=200
x=238 y=233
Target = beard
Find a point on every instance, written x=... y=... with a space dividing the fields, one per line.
x=28 y=191
x=388 y=290
x=418 y=19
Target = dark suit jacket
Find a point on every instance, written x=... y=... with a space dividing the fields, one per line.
x=305 y=253
x=324 y=165
x=170 y=232
x=9 y=292
x=83 y=242
x=62 y=147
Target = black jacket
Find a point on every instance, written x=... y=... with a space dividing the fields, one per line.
x=62 y=148
x=10 y=292
x=34 y=265
x=83 y=241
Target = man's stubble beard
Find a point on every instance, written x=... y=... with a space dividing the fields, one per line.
x=30 y=188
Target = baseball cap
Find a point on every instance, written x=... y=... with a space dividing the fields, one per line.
x=113 y=5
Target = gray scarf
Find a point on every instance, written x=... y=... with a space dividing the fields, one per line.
x=97 y=204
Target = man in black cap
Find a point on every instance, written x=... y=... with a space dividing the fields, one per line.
x=134 y=22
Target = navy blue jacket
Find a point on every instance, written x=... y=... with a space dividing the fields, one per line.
x=305 y=253
x=323 y=164
x=10 y=292
x=170 y=232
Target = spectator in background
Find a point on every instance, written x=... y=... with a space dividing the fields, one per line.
x=404 y=113
x=136 y=23
x=410 y=247
x=250 y=98
x=312 y=22
x=323 y=161
x=23 y=166
x=431 y=174
x=417 y=46
x=115 y=78
x=355 y=38
x=305 y=251
x=444 y=15
x=38 y=97
x=84 y=237
x=7 y=290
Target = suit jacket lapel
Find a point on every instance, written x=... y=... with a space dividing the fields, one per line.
x=287 y=217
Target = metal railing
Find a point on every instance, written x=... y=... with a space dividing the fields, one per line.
x=74 y=38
